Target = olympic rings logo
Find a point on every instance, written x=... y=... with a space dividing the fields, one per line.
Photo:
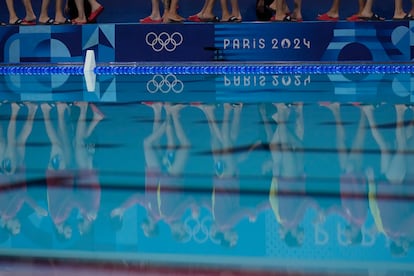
x=164 y=41
x=199 y=230
x=165 y=84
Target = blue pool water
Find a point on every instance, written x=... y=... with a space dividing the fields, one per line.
x=278 y=171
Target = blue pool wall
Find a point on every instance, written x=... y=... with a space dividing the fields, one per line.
x=366 y=42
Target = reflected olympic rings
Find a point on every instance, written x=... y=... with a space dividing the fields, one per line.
x=165 y=84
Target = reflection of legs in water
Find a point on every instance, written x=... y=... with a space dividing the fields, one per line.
x=60 y=184
x=215 y=133
x=230 y=129
x=63 y=110
x=10 y=158
x=235 y=123
x=275 y=144
x=229 y=134
x=299 y=124
x=398 y=168
x=89 y=191
x=15 y=150
x=176 y=159
x=13 y=163
x=392 y=166
x=288 y=172
x=26 y=130
x=151 y=141
x=222 y=140
x=153 y=166
x=169 y=155
x=176 y=130
x=409 y=130
x=84 y=129
x=286 y=147
x=353 y=161
x=268 y=163
x=268 y=129
x=84 y=151
x=2 y=146
x=226 y=172
x=212 y=124
x=352 y=185
x=60 y=154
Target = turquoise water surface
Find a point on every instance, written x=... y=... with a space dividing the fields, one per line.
x=304 y=171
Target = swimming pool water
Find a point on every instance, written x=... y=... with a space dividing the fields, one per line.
x=277 y=171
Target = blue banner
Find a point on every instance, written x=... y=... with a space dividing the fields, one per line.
x=389 y=41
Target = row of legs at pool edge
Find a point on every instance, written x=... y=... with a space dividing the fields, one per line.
x=77 y=12
x=269 y=10
x=87 y=11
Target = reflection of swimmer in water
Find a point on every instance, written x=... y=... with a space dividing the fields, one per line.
x=165 y=198
x=353 y=186
x=390 y=195
x=58 y=175
x=13 y=191
x=288 y=188
x=87 y=176
x=225 y=203
x=69 y=189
